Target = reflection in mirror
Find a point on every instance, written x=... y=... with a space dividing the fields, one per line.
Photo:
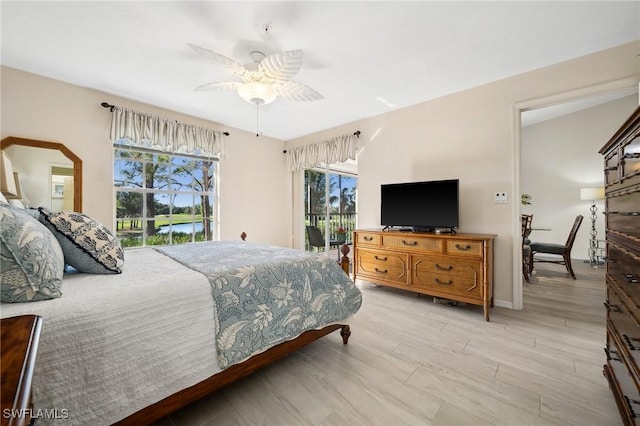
x=44 y=169
x=61 y=188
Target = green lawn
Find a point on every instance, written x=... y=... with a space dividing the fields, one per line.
x=160 y=220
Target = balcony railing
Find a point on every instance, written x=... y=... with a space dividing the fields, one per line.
x=347 y=221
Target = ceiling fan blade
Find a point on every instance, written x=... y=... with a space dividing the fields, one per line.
x=218 y=59
x=219 y=86
x=281 y=66
x=296 y=91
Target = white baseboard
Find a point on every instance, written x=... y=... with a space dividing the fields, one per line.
x=503 y=303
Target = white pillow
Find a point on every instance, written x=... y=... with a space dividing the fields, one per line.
x=17 y=203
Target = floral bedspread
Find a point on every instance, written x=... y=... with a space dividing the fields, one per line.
x=265 y=295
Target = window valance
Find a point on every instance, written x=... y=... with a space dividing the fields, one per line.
x=334 y=150
x=152 y=132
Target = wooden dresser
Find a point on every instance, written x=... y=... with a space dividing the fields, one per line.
x=622 y=213
x=19 y=338
x=452 y=266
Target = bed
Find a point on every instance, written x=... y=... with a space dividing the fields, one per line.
x=178 y=323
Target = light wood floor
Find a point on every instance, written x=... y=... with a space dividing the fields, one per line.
x=411 y=361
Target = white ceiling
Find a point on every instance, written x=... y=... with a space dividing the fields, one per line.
x=366 y=58
x=535 y=116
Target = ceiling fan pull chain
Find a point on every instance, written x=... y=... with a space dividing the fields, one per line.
x=257 y=120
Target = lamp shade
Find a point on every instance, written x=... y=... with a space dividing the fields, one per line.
x=7 y=178
x=591 y=194
x=258 y=93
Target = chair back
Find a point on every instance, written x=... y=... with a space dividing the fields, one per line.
x=315 y=236
x=574 y=231
x=526 y=225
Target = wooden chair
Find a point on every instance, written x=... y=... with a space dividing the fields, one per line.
x=526 y=248
x=563 y=250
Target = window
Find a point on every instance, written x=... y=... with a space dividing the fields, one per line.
x=164 y=198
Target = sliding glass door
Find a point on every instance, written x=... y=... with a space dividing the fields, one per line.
x=330 y=208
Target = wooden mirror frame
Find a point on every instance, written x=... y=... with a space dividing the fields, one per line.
x=77 y=162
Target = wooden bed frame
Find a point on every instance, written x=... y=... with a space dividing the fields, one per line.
x=191 y=394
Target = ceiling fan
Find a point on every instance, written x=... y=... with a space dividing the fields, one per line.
x=264 y=79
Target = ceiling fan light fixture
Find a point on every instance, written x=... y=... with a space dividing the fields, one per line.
x=258 y=93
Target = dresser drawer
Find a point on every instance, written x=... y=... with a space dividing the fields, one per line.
x=368 y=239
x=382 y=265
x=623 y=326
x=446 y=265
x=447 y=275
x=623 y=269
x=626 y=387
x=625 y=200
x=623 y=210
x=410 y=242
x=467 y=248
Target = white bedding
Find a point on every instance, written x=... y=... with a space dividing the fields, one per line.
x=146 y=346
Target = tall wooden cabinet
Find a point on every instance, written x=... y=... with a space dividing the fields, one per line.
x=456 y=267
x=622 y=213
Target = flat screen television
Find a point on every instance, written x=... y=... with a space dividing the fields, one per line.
x=421 y=206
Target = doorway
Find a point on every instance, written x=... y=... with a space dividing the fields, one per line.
x=330 y=208
x=566 y=165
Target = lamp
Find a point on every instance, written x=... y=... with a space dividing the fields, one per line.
x=258 y=93
x=592 y=194
x=8 y=179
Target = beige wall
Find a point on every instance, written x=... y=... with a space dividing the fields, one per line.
x=471 y=135
x=254 y=194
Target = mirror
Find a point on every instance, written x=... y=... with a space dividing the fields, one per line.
x=58 y=170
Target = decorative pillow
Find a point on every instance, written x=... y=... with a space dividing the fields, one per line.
x=87 y=245
x=31 y=260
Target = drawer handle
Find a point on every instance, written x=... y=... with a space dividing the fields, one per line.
x=380 y=271
x=414 y=243
x=611 y=358
x=631 y=155
x=612 y=308
x=630 y=401
x=610 y=169
x=631 y=279
x=367 y=238
x=384 y=259
x=629 y=341
x=448 y=268
x=465 y=248
x=437 y=281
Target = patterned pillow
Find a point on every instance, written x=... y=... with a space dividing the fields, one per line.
x=87 y=245
x=31 y=259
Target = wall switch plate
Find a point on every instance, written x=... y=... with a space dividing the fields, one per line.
x=500 y=198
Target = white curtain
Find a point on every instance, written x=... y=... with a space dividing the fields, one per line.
x=335 y=150
x=152 y=132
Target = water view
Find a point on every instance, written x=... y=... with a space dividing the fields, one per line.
x=186 y=228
